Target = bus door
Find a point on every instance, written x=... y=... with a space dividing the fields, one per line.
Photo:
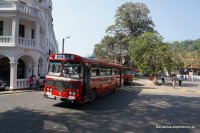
x=86 y=81
x=121 y=78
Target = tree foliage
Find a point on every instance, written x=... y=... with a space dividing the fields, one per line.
x=132 y=41
x=187 y=45
x=132 y=19
x=150 y=53
x=186 y=53
x=111 y=48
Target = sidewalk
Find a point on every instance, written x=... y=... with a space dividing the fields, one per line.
x=16 y=91
x=188 y=88
x=185 y=83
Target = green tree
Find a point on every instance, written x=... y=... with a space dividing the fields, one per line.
x=185 y=53
x=132 y=19
x=170 y=59
x=99 y=51
x=198 y=49
x=106 y=50
x=149 y=53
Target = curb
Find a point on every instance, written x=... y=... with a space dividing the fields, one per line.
x=14 y=92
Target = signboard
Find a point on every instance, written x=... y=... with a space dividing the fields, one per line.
x=64 y=56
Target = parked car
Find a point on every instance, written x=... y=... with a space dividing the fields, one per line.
x=3 y=83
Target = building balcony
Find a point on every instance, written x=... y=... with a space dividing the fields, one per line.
x=24 y=42
x=6 y=41
x=17 y=6
x=22 y=83
x=7 y=6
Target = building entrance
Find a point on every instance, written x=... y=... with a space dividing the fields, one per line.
x=5 y=68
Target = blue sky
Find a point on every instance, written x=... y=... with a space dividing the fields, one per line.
x=85 y=21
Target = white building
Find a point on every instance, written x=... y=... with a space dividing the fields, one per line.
x=26 y=39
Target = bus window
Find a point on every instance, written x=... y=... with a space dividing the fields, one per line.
x=108 y=72
x=103 y=72
x=94 y=72
x=72 y=70
x=111 y=72
x=97 y=72
x=115 y=72
x=118 y=72
x=55 y=68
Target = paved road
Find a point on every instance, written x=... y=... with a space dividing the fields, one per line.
x=142 y=108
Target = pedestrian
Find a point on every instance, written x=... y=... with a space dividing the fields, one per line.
x=185 y=77
x=173 y=81
x=180 y=80
x=38 y=82
x=34 y=81
x=192 y=78
x=163 y=79
x=31 y=82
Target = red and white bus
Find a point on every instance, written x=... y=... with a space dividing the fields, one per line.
x=77 y=79
x=127 y=76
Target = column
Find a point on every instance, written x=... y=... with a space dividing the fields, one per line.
x=35 y=69
x=15 y=29
x=41 y=69
x=13 y=75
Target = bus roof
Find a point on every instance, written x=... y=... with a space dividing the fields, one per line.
x=69 y=56
x=127 y=68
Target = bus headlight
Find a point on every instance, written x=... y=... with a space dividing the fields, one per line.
x=49 y=89
x=70 y=93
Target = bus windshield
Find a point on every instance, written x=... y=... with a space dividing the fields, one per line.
x=72 y=70
x=54 y=68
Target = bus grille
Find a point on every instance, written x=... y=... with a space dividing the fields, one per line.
x=59 y=85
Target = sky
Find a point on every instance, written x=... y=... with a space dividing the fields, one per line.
x=86 y=21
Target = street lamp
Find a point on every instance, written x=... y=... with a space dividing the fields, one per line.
x=63 y=43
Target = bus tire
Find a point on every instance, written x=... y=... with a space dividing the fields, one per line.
x=93 y=95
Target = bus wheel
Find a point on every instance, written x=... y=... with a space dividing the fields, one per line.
x=92 y=95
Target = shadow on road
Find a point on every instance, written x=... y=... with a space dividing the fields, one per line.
x=115 y=113
x=136 y=84
x=112 y=101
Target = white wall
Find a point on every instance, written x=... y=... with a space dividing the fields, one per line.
x=28 y=27
x=7 y=26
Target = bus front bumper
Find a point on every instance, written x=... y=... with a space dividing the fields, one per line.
x=50 y=96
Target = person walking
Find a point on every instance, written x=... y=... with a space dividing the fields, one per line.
x=31 y=82
x=180 y=80
x=34 y=82
x=173 y=81
x=163 y=79
x=38 y=82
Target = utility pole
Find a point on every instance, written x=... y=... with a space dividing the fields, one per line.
x=63 y=42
